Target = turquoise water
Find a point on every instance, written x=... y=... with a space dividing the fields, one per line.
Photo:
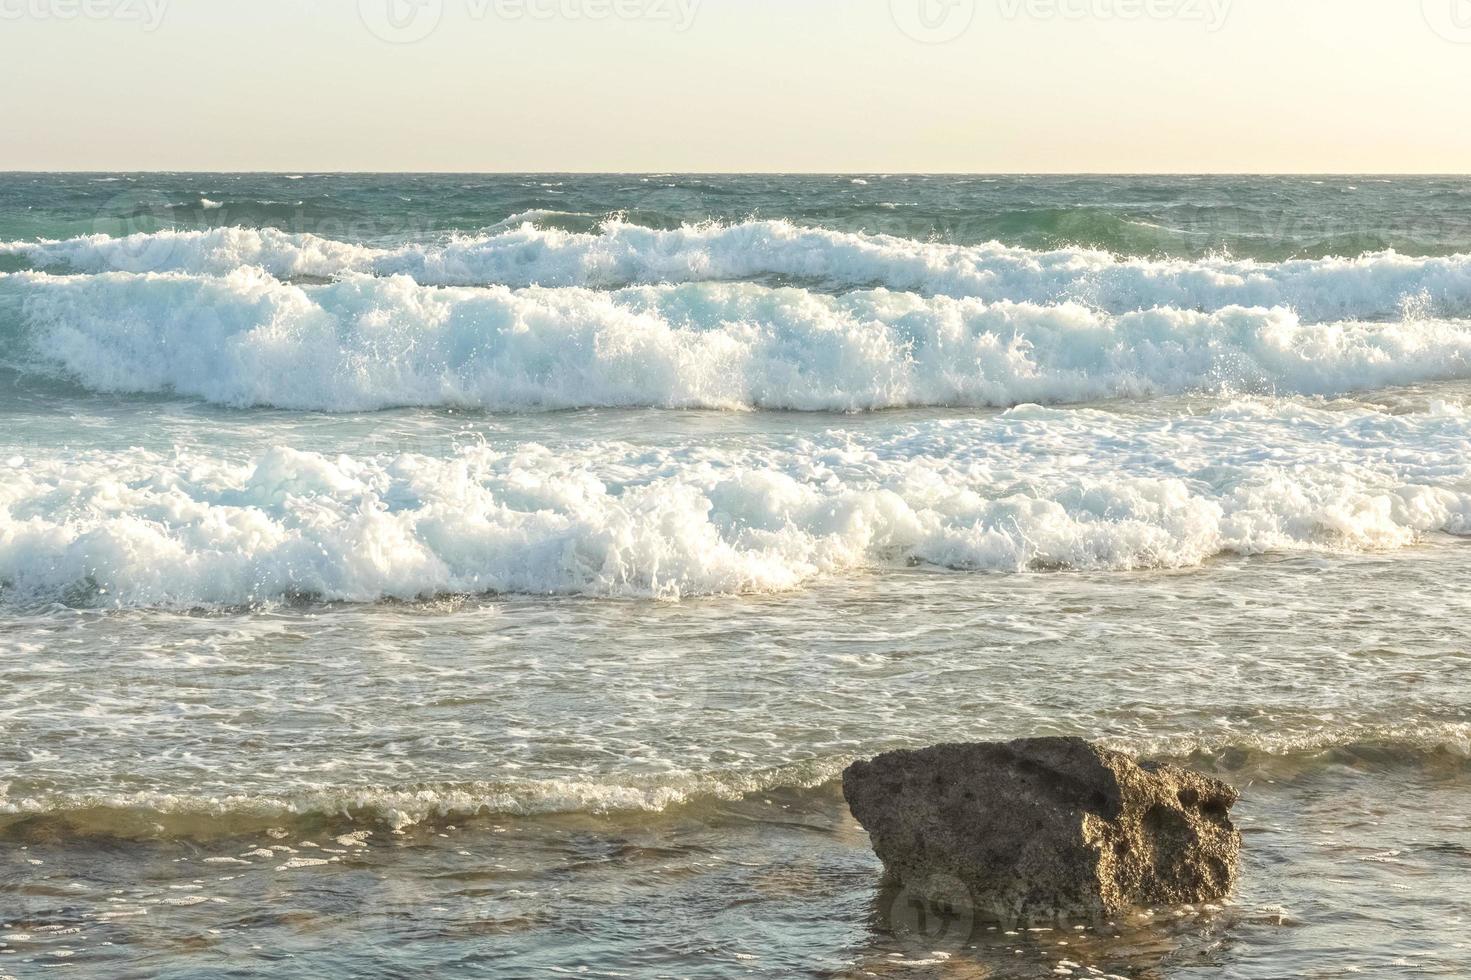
x=443 y=575
x=1274 y=218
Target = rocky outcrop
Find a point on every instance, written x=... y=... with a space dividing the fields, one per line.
x=1047 y=828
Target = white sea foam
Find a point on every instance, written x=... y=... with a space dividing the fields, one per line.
x=620 y=254
x=1033 y=488
x=365 y=343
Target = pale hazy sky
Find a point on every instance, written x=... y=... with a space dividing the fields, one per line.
x=737 y=85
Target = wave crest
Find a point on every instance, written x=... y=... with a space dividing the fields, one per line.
x=620 y=254
x=365 y=343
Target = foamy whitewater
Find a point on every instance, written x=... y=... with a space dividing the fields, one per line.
x=1030 y=489
x=405 y=572
x=364 y=343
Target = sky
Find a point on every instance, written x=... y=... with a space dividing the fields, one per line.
x=737 y=85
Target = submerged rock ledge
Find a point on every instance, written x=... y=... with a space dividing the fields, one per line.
x=1047 y=828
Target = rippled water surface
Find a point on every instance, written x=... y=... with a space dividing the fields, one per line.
x=488 y=576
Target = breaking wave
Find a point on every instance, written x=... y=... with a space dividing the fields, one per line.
x=618 y=254
x=362 y=343
x=1033 y=489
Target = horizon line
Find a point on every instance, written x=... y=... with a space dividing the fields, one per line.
x=760 y=173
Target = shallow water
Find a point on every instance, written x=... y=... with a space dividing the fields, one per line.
x=427 y=685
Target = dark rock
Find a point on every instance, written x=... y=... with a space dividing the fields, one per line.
x=1047 y=828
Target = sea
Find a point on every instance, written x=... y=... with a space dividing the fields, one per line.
x=491 y=576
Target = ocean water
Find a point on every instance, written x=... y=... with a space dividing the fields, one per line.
x=491 y=576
